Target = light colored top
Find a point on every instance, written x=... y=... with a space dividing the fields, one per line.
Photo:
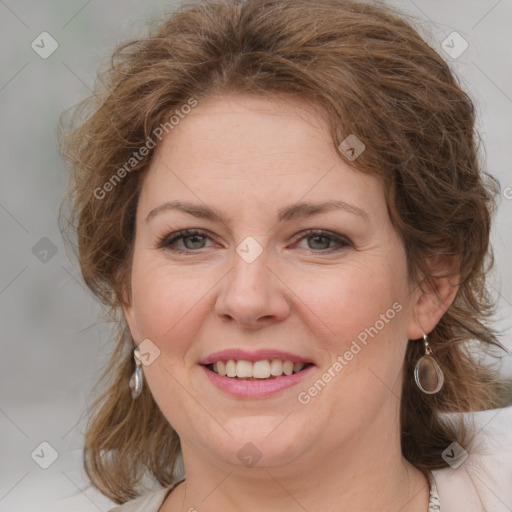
x=150 y=502
x=482 y=481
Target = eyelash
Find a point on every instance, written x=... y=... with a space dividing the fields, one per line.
x=166 y=241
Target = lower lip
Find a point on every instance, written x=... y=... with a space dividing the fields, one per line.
x=255 y=388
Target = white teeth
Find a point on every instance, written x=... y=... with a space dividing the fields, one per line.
x=263 y=369
x=276 y=367
x=231 y=368
x=243 y=368
x=297 y=367
x=288 y=367
x=221 y=368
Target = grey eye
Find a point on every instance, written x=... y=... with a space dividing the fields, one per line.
x=196 y=241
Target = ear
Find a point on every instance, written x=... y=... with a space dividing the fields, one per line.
x=435 y=295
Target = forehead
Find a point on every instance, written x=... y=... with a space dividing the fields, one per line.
x=248 y=130
x=249 y=150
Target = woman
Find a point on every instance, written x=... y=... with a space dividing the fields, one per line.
x=283 y=201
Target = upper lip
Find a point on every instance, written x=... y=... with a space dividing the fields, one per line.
x=257 y=355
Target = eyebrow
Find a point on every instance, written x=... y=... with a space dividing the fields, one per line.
x=288 y=213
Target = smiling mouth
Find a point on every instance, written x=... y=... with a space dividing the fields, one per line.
x=266 y=369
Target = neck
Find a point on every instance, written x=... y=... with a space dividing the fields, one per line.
x=358 y=475
x=406 y=491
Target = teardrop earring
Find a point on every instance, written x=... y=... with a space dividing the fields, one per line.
x=137 y=376
x=427 y=372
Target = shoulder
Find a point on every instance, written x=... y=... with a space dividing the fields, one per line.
x=479 y=478
x=149 y=502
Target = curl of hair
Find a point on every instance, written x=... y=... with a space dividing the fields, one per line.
x=369 y=73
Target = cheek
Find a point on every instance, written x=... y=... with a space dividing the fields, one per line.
x=347 y=301
x=360 y=316
x=365 y=310
x=166 y=298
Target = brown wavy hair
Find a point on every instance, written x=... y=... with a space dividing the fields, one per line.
x=366 y=69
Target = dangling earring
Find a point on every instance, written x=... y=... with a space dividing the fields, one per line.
x=137 y=376
x=427 y=372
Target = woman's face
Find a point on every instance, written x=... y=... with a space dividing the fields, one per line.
x=269 y=272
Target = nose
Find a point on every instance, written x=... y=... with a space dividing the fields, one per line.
x=252 y=295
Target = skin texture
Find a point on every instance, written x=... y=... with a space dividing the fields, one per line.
x=248 y=157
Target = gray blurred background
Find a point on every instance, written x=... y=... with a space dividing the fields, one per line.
x=55 y=340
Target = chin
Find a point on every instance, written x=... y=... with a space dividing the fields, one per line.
x=261 y=442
